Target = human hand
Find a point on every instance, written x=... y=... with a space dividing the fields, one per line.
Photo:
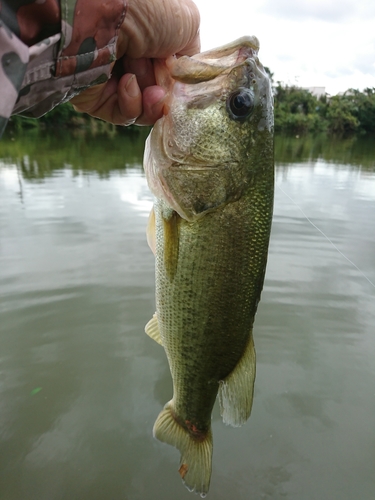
x=151 y=29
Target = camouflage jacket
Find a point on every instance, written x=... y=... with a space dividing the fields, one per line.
x=50 y=50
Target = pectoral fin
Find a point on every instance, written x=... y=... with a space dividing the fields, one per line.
x=171 y=243
x=152 y=329
x=236 y=391
x=151 y=231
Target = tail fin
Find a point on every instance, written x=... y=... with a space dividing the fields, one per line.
x=196 y=456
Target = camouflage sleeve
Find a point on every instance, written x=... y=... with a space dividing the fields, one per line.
x=50 y=50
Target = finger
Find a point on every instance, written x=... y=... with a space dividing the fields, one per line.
x=142 y=68
x=120 y=102
x=159 y=29
x=193 y=47
x=193 y=43
x=153 y=105
x=128 y=101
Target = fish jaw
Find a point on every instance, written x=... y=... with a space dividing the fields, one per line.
x=191 y=190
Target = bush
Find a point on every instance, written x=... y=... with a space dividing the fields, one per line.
x=296 y=111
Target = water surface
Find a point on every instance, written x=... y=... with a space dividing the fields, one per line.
x=80 y=382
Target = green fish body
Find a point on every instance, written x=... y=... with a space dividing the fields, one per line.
x=209 y=162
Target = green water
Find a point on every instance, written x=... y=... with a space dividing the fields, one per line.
x=80 y=382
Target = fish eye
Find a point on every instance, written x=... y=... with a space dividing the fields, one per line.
x=240 y=104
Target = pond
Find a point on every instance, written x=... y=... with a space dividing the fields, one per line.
x=81 y=384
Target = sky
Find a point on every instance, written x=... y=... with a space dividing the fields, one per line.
x=309 y=43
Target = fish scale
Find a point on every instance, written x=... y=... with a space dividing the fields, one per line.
x=212 y=174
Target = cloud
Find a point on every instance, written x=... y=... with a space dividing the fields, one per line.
x=365 y=62
x=340 y=72
x=323 y=10
x=321 y=42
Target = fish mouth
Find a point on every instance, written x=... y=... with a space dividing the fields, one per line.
x=205 y=66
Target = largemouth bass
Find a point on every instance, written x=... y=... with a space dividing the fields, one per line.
x=209 y=162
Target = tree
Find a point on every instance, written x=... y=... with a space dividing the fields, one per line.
x=340 y=115
x=296 y=110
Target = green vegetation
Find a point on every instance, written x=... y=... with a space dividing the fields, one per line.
x=64 y=116
x=40 y=153
x=297 y=111
x=351 y=150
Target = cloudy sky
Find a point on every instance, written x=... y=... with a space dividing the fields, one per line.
x=323 y=43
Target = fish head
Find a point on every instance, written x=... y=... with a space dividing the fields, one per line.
x=207 y=148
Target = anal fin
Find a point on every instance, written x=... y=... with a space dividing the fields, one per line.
x=152 y=329
x=237 y=389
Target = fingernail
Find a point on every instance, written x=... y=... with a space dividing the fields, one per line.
x=132 y=86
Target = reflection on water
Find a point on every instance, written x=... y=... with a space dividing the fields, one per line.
x=358 y=151
x=80 y=382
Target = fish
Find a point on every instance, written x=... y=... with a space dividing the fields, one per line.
x=209 y=162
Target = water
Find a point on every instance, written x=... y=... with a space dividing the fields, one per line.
x=80 y=382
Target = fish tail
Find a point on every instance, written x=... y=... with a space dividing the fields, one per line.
x=196 y=454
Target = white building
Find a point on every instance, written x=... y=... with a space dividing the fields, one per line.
x=316 y=91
